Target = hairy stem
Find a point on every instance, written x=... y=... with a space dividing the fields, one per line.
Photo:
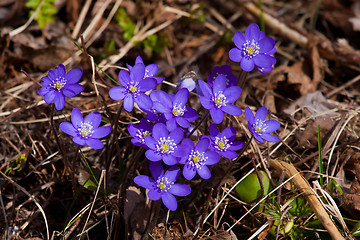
x=58 y=140
x=242 y=77
x=199 y=123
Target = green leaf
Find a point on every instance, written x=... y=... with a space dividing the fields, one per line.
x=249 y=189
x=86 y=180
x=125 y=23
x=46 y=12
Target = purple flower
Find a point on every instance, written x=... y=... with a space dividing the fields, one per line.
x=164 y=185
x=86 y=132
x=58 y=84
x=174 y=108
x=223 y=142
x=218 y=99
x=139 y=132
x=253 y=49
x=225 y=70
x=133 y=88
x=187 y=83
x=150 y=70
x=261 y=128
x=197 y=158
x=164 y=145
x=264 y=70
x=152 y=114
x=189 y=80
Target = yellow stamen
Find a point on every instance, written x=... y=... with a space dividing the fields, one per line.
x=221 y=144
x=250 y=49
x=132 y=89
x=162 y=185
x=164 y=147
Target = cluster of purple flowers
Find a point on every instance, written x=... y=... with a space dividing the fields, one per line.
x=56 y=86
x=164 y=130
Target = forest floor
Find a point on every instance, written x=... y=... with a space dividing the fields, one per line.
x=50 y=188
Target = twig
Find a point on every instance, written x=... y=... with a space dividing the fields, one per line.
x=277 y=26
x=29 y=77
x=304 y=187
x=58 y=141
x=342 y=87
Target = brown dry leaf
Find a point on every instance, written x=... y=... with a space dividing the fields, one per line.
x=343 y=182
x=317 y=67
x=350 y=167
x=352 y=199
x=136 y=211
x=294 y=75
x=28 y=40
x=308 y=138
x=314 y=103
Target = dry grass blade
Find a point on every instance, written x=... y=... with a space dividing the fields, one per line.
x=338 y=133
x=32 y=198
x=102 y=178
x=81 y=19
x=333 y=209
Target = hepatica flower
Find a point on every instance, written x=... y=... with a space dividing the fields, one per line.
x=223 y=142
x=253 y=49
x=189 y=80
x=163 y=145
x=225 y=70
x=133 y=88
x=219 y=98
x=163 y=185
x=150 y=70
x=86 y=131
x=261 y=128
x=58 y=84
x=197 y=158
x=139 y=132
x=174 y=108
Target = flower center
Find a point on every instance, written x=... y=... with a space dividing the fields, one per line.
x=251 y=49
x=178 y=110
x=197 y=159
x=132 y=89
x=222 y=144
x=219 y=99
x=59 y=83
x=260 y=126
x=142 y=134
x=163 y=184
x=86 y=130
x=166 y=145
